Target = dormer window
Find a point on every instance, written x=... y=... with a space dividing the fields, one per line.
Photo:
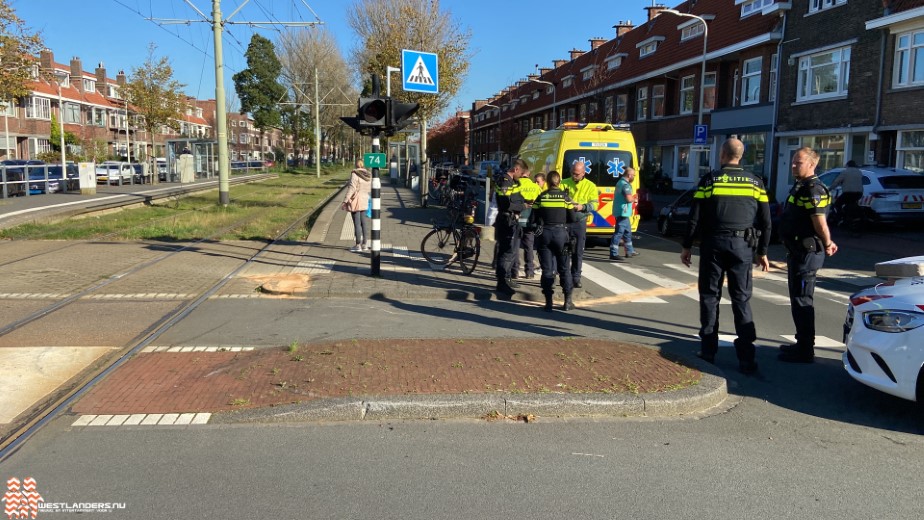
x=693 y=29
x=63 y=79
x=820 y=5
x=567 y=81
x=89 y=85
x=649 y=46
x=587 y=73
x=615 y=61
x=535 y=94
x=749 y=7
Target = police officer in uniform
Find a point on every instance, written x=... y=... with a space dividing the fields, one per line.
x=805 y=233
x=584 y=192
x=510 y=203
x=553 y=210
x=731 y=212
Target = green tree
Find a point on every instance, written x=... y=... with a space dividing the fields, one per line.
x=55 y=138
x=258 y=85
x=155 y=95
x=18 y=47
x=387 y=26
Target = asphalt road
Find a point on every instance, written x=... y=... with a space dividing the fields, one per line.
x=801 y=441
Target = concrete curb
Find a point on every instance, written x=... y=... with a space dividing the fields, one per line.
x=710 y=392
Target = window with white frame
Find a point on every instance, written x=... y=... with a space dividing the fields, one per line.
x=89 y=85
x=243 y=138
x=709 y=91
x=63 y=79
x=38 y=145
x=233 y=122
x=567 y=81
x=750 y=81
x=622 y=107
x=9 y=108
x=911 y=150
x=687 y=90
x=38 y=108
x=71 y=113
x=824 y=75
x=587 y=73
x=641 y=103
x=774 y=64
x=750 y=7
x=657 y=101
x=614 y=61
x=536 y=94
x=820 y=5
x=647 y=49
x=692 y=31
x=909 y=59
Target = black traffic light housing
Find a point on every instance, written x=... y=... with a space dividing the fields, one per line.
x=371 y=115
x=399 y=115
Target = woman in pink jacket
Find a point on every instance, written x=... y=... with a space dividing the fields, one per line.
x=356 y=202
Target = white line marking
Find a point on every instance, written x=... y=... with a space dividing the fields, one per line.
x=83 y=420
x=660 y=280
x=820 y=341
x=614 y=285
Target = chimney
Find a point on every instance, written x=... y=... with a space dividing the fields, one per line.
x=47 y=59
x=120 y=78
x=77 y=72
x=596 y=42
x=543 y=71
x=654 y=10
x=575 y=54
x=101 y=79
x=622 y=28
x=559 y=63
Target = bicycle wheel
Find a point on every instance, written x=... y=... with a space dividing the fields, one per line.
x=439 y=246
x=469 y=249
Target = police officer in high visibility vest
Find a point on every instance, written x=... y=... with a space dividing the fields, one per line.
x=510 y=203
x=805 y=233
x=731 y=212
x=584 y=192
x=553 y=210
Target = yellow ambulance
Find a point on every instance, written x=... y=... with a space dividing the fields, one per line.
x=605 y=149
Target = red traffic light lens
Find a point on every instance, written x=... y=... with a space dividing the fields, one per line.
x=373 y=111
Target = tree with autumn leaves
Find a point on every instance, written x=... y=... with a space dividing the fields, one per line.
x=18 y=48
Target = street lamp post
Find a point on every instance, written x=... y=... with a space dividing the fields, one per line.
x=497 y=138
x=702 y=75
x=554 y=97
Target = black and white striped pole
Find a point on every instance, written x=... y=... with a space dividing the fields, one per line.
x=376 y=210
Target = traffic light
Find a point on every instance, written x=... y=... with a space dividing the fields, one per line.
x=372 y=112
x=399 y=115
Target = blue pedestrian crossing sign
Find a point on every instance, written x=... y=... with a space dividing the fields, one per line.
x=420 y=71
x=700 y=134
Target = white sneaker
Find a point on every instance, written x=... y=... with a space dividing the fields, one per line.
x=356 y=249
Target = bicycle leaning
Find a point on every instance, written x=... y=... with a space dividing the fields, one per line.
x=459 y=240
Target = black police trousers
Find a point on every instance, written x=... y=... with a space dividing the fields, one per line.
x=721 y=255
x=552 y=245
x=801 y=272
x=579 y=232
x=507 y=235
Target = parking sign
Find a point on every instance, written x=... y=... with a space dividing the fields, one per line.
x=700 y=134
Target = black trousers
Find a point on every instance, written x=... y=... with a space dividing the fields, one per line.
x=801 y=271
x=721 y=256
x=579 y=232
x=527 y=244
x=552 y=245
x=507 y=235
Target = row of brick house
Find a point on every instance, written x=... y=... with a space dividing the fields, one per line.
x=845 y=77
x=92 y=110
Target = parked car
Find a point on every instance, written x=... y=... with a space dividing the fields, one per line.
x=161 y=168
x=884 y=334
x=674 y=217
x=111 y=172
x=891 y=194
x=15 y=172
x=483 y=167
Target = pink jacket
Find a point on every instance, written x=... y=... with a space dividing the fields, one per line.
x=357 y=194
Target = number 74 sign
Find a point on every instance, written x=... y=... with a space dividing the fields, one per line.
x=374 y=160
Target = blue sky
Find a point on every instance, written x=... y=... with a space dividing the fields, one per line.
x=508 y=38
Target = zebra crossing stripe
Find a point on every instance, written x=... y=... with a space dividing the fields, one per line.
x=615 y=285
x=820 y=341
x=154 y=419
x=695 y=274
x=688 y=290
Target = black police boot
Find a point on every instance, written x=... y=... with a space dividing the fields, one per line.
x=548 y=303
x=505 y=289
x=569 y=303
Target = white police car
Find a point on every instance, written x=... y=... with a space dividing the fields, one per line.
x=884 y=331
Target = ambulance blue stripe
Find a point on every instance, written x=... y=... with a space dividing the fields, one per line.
x=592 y=144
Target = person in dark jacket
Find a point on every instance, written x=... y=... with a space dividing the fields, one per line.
x=731 y=215
x=553 y=211
x=510 y=202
